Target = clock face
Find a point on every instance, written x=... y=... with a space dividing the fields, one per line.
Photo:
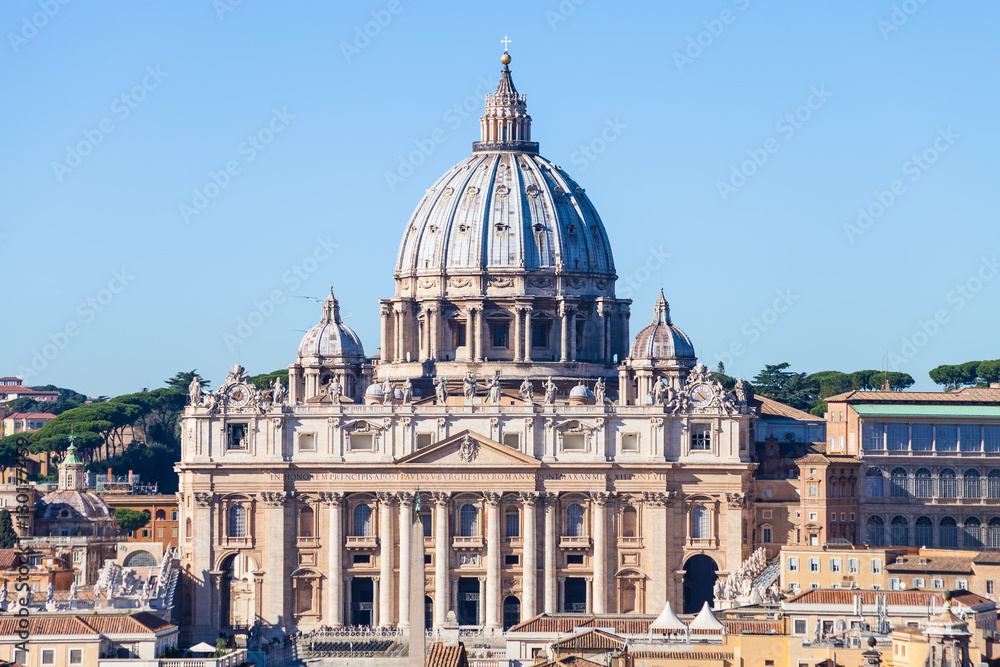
x=701 y=395
x=238 y=396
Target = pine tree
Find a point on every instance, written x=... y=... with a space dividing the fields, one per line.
x=8 y=538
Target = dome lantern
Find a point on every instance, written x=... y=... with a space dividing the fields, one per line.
x=505 y=123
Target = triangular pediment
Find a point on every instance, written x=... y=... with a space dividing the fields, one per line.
x=470 y=449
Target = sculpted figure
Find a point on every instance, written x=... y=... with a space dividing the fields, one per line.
x=527 y=391
x=334 y=389
x=407 y=392
x=441 y=385
x=194 y=391
x=469 y=386
x=388 y=389
x=277 y=392
x=659 y=391
x=599 y=391
x=493 y=395
x=550 y=391
x=741 y=392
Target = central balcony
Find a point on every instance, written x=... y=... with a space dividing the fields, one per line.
x=361 y=542
x=471 y=543
x=574 y=542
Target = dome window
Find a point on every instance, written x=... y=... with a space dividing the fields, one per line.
x=571 y=229
x=500 y=226
x=539 y=226
x=463 y=228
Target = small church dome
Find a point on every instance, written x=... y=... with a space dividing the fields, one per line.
x=662 y=339
x=331 y=337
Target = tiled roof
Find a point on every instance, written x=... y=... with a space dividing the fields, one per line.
x=569 y=661
x=442 y=655
x=9 y=558
x=682 y=655
x=631 y=624
x=987 y=558
x=141 y=623
x=966 y=395
x=772 y=408
x=47 y=625
x=868 y=597
x=591 y=640
x=30 y=415
x=953 y=564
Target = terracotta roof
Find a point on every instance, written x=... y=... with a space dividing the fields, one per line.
x=987 y=557
x=682 y=655
x=966 y=395
x=571 y=661
x=900 y=598
x=772 y=408
x=47 y=625
x=10 y=558
x=631 y=624
x=141 y=623
x=953 y=564
x=30 y=415
x=591 y=640
x=441 y=655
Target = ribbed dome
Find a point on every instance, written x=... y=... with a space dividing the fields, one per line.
x=505 y=210
x=662 y=339
x=68 y=505
x=331 y=337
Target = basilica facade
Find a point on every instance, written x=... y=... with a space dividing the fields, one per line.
x=556 y=463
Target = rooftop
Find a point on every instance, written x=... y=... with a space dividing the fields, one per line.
x=967 y=395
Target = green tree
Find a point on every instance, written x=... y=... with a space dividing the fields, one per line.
x=727 y=381
x=8 y=537
x=182 y=379
x=264 y=380
x=795 y=389
x=989 y=371
x=131 y=520
x=897 y=381
x=954 y=376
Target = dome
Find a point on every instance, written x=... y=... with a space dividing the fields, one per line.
x=68 y=505
x=661 y=339
x=581 y=391
x=504 y=210
x=374 y=389
x=331 y=337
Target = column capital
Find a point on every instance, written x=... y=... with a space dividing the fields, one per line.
x=386 y=497
x=561 y=578
x=406 y=499
x=332 y=498
x=549 y=498
x=274 y=498
x=492 y=498
x=528 y=498
x=202 y=499
x=601 y=498
x=441 y=498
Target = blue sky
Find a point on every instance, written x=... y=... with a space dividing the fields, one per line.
x=170 y=169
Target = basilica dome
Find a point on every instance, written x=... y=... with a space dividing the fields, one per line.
x=505 y=209
x=661 y=339
x=331 y=337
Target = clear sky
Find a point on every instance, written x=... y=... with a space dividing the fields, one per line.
x=170 y=169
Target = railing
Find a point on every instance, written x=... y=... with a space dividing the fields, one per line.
x=307 y=542
x=526 y=146
x=574 y=542
x=461 y=542
x=361 y=542
x=234 y=659
x=630 y=542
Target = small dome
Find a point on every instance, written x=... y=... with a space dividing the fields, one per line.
x=72 y=506
x=662 y=339
x=331 y=337
x=374 y=390
x=580 y=391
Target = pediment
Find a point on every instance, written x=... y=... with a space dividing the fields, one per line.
x=470 y=449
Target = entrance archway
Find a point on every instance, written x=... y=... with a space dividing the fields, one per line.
x=699 y=580
x=362 y=599
x=428 y=612
x=237 y=594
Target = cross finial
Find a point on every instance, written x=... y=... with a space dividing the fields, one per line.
x=505 y=41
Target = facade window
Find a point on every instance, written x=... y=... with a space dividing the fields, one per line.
x=793 y=564
x=468 y=520
x=993 y=484
x=700 y=523
x=923 y=532
x=970 y=438
x=173 y=515
x=800 y=626
x=424 y=440
x=876 y=566
x=947 y=485
x=893 y=583
x=458 y=334
x=971 y=487
x=991 y=586
x=540 y=334
x=362 y=523
x=853 y=566
x=937 y=583
x=973 y=533
x=76 y=656
x=835 y=565
x=701 y=437
x=574 y=520
x=991 y=438
x=361 y=442
x=512 y=440
x=237 y=521
x=872 y=436
x=48 y=656
x=962 y=584
x=945 y=438
x=767 y=535
x=500 y=334
x=993 y=533
x=922 y=436
x=236 y=436
x=897 y=437
x=161 y=515
x=513 y=524
x=874 y=483
x=814 y=564
x=918 y=582
x=897 y=483
x=630 y=442
x=630 y=522
x=307 y=442
x=306 y=522
x=922 y=487
x=425 y=521
x=948 y=532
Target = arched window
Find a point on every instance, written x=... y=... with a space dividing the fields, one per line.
x=970 y=484
x=630 y=522
x=993 y=533
x=304 y=596
x=973 y=537
x=873 y=483
x=140 y=559
x=161 y=515
x=362 y=524
x=993 y=484
x=899 y=531
x=468 y=520
x=574 y=520
x=876 y=531
x=922 y=486
x=306 y=522
x=898 y=482
x=237 y=521
x=628 y=599
x=948 y=532
x=947 y=486
x=701 y=527
x=923 y=532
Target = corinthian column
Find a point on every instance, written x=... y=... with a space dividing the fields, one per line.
x=277 y=577
x=492 y=560
x=405 y=521
x=527 y=335
x=386 y=334
x=335 y=547
x=600 y=503
x=551 y=592
x=564 y=314
x=441 y=596
x=386 y=541
x=530 y=554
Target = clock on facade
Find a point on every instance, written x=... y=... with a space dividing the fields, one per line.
x=701 y=395
x=238 y=396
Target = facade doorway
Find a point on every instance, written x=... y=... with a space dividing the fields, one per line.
x=362 y=600
x=468 y=601
x=511 y=612
x=699 y=580
x=575 y=595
